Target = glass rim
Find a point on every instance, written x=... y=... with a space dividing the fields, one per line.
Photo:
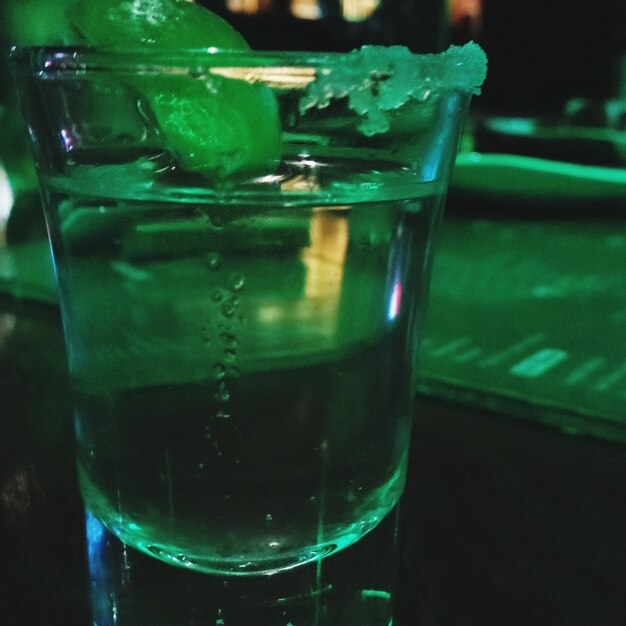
x=457 y=68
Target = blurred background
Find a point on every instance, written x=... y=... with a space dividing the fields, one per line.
x=554 y=61
x=515 y=509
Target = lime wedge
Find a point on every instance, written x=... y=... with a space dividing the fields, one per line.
x=213 y=126
x=236 y=130
x=164 y=24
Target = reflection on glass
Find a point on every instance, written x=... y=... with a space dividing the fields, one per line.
x=325 y=257
x=276 y=76
x=395 y=301
x=6 y=204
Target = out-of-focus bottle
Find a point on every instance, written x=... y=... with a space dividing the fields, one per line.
x=465 y=20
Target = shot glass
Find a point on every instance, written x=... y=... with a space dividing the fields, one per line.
x=242 y=243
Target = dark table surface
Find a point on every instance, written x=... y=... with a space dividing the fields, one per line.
x=515 y=508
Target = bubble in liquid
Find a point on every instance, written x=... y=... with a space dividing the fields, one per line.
x=212 y=260
x=222 y=393
x=230 y=354
x=206 y=335
x=200 y=465
x=227 y=309
x=230 y=341
x=237 y=281
x=219 y=371
x=215 y=221
x=268 y=517
x=222 y=415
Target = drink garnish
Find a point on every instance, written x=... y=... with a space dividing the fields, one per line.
x=213 y=125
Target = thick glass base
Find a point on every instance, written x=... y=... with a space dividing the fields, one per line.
x=254 y=566
x=354 y=587
x=267 y=559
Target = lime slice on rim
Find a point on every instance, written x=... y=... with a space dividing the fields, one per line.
x=159 y=23
x=217 y=126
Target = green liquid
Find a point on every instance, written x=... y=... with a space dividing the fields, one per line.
x=244 y=374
